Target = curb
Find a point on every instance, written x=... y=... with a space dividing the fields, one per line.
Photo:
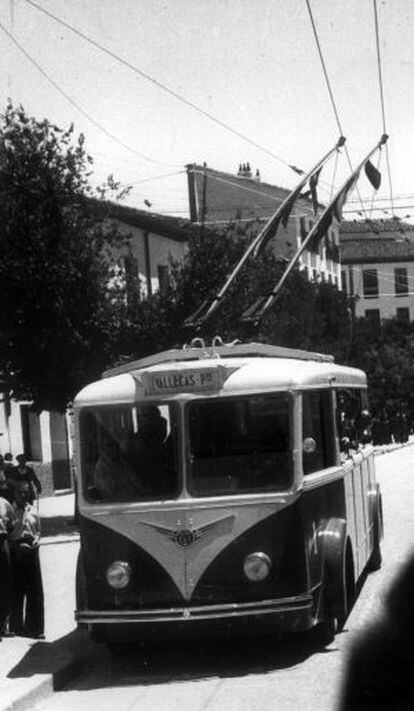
x=387 y=448
x=53 y=540
x=40 y=686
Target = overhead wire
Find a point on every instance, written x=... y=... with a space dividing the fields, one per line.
x=153 y=177
x=381 y=88
x=328 y=84
x=161 y=85
x=74 y=103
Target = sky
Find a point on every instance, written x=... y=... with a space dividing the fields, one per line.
x=138 y=78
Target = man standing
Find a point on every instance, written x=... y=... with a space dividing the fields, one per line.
x=27 y=606
x=24 y=473
x=6 y=525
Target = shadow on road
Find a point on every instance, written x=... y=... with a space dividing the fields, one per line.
x=60 y=658
x=192 y=661
x=77 y=661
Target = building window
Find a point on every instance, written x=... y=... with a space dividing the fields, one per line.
x=132 y=284
x=403 y=315
x=303 y=231
x=32 y=442
x=343 y=280
x=163 y=277
x=351 y=281
x=401 y=281
x=370 y=283
x=373 y=316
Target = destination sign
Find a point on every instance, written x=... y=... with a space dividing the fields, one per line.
x=194 y=380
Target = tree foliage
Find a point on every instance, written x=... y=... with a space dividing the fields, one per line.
x=57 y=319
x=387 y=356
x=305 y=315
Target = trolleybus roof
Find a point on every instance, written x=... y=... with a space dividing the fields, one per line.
x=237 y=350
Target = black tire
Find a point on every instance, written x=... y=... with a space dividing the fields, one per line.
x=81 y=592
x=348 y=590
x=375 y=560
x=323 y=634
x=338 y=599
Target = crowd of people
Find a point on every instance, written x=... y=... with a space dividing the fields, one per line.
x=391 y=427
x=21 y=590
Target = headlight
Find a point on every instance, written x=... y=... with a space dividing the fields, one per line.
x=257 y=567
x=118 y=574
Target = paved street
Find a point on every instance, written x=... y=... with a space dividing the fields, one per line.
x=262 y=675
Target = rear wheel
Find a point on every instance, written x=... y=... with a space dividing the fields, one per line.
x=338 y=598
x=348 y=590
x=375 y=560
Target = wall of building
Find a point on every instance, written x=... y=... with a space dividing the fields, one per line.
x=387 y=302
x=220 y=199
x=148 y=251
x=43 y=438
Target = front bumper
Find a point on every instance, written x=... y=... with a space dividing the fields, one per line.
x=290 y=614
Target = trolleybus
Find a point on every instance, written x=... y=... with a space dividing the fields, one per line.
x=223 y=489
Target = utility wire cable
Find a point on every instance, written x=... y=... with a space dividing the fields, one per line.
x=162 y=86
x=74 y=103
x=154 y=177
x=381 y=87
x=328 y=84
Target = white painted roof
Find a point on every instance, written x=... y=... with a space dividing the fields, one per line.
x=241 y=375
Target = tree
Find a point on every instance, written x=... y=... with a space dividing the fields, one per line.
x=305 y=315
x=387 y=356
x=57 y=316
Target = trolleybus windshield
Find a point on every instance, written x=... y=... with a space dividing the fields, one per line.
x=239 y=445
x=128 y=453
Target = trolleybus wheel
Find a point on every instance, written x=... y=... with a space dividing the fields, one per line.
x=375 y=560
x=348 y=590
x=338 y=598
x=324 y=632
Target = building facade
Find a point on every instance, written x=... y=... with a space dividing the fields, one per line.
x=142 y=263
x=377 y=258
x=243 y=202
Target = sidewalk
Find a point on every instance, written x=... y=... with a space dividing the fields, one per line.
x=31 y=669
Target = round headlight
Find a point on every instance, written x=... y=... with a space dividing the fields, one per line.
x=118 y=574
x=257 y=567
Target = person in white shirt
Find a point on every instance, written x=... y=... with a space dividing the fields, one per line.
x=27 y=605
x=6 y=526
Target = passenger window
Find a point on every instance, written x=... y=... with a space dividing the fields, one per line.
x=318 y=432
x=353 y=418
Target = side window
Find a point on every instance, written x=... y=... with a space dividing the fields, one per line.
x=353 y=418
x=370 y=282
x=318 y=431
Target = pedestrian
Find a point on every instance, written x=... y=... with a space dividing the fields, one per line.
x=22 y=472
x=8 y=462
x=5 y=489
x=6 y=526
x=27 y=605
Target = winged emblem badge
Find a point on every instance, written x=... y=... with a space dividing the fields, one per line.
x=186 y=536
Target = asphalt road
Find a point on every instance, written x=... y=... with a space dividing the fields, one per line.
x=263 y=675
